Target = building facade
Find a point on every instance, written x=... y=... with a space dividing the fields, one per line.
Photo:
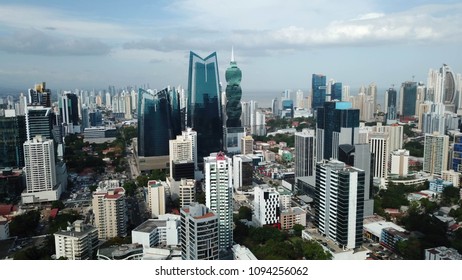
x=109 y=209
x=305 y=159
x=78 y=242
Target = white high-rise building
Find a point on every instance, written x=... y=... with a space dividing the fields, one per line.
x=436 y=153
x=40 y=170
x=187 y=192
x=109 y=208
x=199 y=233
x=78 y=242
x=300 y=99
x=156 y=197
x=191 y=135
x=181 y=149
x=339 y=203
x=400 y=162
x=260 y=125
x=108 y=101
x=305 y=160
x=379 y=147
x=219 y=194
x=266 y=205
x=253 y=108
x=247 y=145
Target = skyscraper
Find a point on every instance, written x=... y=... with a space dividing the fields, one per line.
x=204 y=113
x=40 y=169
x=39 y=95
x=435 y=153
x=11 y=142
x=158 y=123
x=233 y=129
x=408 y=96
x=69 y=113
x=304 y=153
x=339 y=203
x=337 y=123
x=391 y=103
x=219 y=195
x=318 y=90
x=109 y=208
x=336 y=91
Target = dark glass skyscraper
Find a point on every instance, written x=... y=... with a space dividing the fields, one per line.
x=12 y=131
x=336 y=91
x=318 y=89
x=391 y=103
x=409 y=96
x=156 y=122
x=204 y=113
x=337 y=123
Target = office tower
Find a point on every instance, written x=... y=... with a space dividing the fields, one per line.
x=372 y=94
x=234 y=130
x=109 y=208
x=287 y=108
x=21 y=109
x=40 y=169
x=69 y=113
x=39 y=121
x=318 y=90
x=39 y=96
x=77 y=242
x=399 y=162
x=336 y=92
x=391 y=104
x=361 y=157
x=158 y=123
x=108 y=100
x=85 y=118
x=275 y=107
x=247 y=145
x=337 y=123
x=266 y=205
x=245 y=117
x=456 y=163
x=380 y=148
x=199 y=233
x=305 y=158
x=156 y=197
x=435 y=153
x=219 y=195
x=346 y=93
x=242 y=172
x=187 y=192
x=204 y=104
x=96 y=118
x=13 y=135
x=339 y=202
x=408 y=96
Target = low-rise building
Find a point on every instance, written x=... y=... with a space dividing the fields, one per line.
x=442 y=253
x=121 y=252
x=77 y=242
x=163 y=231
x=240 y=252
x=293 y=216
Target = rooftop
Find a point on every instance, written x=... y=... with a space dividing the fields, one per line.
x=150 y=225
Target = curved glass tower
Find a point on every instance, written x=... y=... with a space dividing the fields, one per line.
x=204 y=104
x=156 y=122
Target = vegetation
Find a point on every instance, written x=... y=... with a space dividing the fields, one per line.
x=407 y=130
x=416 y=149
x=245 y=213
x=61 y=221
x=44 y=251
x=25 y=225
x=268 y=243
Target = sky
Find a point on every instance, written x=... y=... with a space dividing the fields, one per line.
x=278 y=45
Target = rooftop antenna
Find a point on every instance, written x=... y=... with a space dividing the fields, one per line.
x=232 y=54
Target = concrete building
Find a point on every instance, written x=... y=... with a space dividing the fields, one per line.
x=199 y=233
x=187 y=192
x=121 y=252
x=77 y=242
x=305 y=159
x=242 y=172
x=379 y=145
x=339 y=203
x=40 y=170
x=156 y=197
x=399 y=163
x=266 y=205
x=291 y=217
x=219 y=195
x=110 y=211
x=181 y=149
x=442 y=253
x=436 y=153
x=240 y=252
x=161 y=232
x=247 y=145
x=453 y=177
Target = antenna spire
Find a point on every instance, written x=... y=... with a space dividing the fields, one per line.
x=232 y=54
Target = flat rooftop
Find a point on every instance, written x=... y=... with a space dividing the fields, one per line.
x=150 y=225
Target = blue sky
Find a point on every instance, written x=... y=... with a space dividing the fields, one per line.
x=277 y=44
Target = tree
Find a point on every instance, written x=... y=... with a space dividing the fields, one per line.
x=245 y=213
x=57 y=204
x=410 y=249
x=297 y=228
x=25 y=224
x=450 y=196
x=142 y=180
x=130 y=188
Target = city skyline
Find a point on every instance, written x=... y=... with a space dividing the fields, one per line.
x=86 y=45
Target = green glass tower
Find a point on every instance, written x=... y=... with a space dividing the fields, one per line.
x=233 y=130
